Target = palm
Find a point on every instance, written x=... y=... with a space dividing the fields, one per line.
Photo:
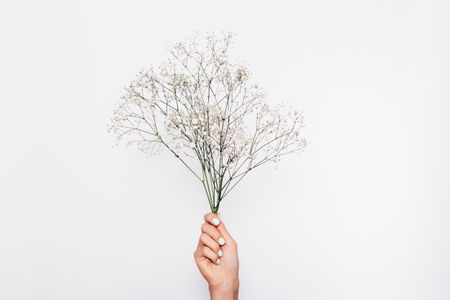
x=217 y=274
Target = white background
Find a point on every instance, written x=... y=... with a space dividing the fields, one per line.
x=363 y=213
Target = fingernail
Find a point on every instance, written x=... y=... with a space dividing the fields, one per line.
x=220 y=253
x=218 y=261
x=216 y=221
x=221 y=241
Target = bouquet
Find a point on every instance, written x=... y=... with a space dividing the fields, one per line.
x=204 y=108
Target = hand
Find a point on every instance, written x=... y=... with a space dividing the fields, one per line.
x=217 y=259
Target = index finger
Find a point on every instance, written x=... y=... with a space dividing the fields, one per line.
x=215 y=220
x=212 y=219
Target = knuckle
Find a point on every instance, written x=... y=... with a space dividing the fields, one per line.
x=203 y=237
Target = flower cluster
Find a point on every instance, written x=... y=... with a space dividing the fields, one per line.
x=204 y=109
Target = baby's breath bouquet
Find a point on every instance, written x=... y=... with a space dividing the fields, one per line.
x=204 y=109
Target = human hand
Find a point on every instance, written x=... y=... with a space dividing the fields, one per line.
x=217 y=259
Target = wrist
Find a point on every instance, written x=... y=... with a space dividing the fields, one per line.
x=225 y=291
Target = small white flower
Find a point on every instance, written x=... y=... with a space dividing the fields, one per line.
x=216 y=113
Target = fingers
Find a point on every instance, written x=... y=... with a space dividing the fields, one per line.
x=214 y=236
x=217 y=222
x=212 y=219
x=211 y=231
x=208 y=241
x=203 y=252
x=208 y=248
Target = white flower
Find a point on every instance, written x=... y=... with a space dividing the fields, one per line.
x=200 y=105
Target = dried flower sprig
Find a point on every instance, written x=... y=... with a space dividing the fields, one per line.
x=203 y=109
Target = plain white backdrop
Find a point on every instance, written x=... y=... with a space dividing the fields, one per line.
x=363 y=213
